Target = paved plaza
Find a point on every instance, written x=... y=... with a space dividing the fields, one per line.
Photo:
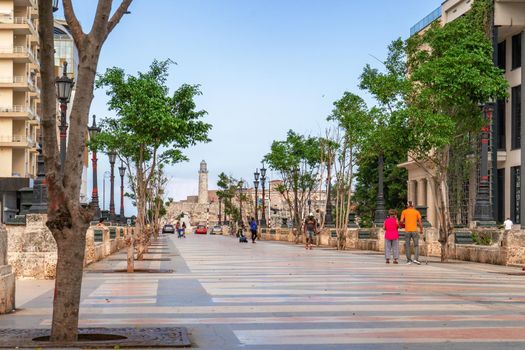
x=280 y=296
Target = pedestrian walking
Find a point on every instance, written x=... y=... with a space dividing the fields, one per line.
x=411 y=218
x=310 y=228
x=508 y=225
x=183 y=230
x=253 y=229
x=179 y=229
x=391 y=226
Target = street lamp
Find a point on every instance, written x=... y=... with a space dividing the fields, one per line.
x=64 y=86
x=483 y=210
x=93 y=131
x=122 y=171
x=263 y=185
x=380 y=214
x=241 y=183
x=106 y=173
x=112 y=155
x=256 y=175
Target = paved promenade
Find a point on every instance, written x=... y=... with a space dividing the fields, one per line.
x=279 y=296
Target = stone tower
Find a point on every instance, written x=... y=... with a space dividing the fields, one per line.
x=203 y=183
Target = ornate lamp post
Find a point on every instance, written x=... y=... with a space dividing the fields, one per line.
x=380 y=214
x=220 y=217
x=122 y=172
x=256 y=175
x=328 y=218
x=112 y=159
x=483 y=208
x=64 y=87
x=241 y=183
x=39 y=205
x=93 y=131
x=263 y=185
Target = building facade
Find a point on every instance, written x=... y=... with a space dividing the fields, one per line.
x=507 y=127
x=19 y=100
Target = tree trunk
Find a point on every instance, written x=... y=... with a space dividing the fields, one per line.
x=68 y=283
x=131 y=250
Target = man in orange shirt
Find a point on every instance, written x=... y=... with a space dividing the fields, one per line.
x=411 y=217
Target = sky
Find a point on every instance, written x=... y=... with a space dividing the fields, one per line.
x=264 y=67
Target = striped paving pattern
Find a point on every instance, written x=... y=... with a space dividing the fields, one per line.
x=278 y=296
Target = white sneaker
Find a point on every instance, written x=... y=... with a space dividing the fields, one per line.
x=409 y=262
x=416 y=262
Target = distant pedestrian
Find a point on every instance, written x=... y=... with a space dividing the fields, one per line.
x=179 y=230
x=411 y=217
x=391 y=226
x=310 y=228
x=184 y=230
x=253 y=229
x=508 y=225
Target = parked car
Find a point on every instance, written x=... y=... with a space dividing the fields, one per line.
x=168 y=229
x=201 y=230
x=216 y=230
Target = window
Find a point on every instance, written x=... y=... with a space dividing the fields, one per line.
x=515 y=205
x=516 y=51
x=502 y=55
x=500 y=125
x=516 y=117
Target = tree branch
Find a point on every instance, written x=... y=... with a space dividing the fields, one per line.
x=117 y=16
x=74 y=25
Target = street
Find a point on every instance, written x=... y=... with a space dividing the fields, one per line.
x=279 y=296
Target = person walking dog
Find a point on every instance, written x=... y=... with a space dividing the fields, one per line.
x=411 y=218
x=391 y=226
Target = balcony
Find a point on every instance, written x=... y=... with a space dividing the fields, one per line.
x=14 y=141
x=19 y=54
x=19 y=25
x=18 y=112
x=17 y=83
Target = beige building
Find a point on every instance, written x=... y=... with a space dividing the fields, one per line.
x=505 y=154
x=19 y=99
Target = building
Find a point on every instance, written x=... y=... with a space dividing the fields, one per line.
x=505 y=156
x=19 y=100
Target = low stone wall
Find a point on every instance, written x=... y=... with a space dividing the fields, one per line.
x=32 y=250
x=505 y=248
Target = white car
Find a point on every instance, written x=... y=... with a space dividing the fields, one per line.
x=216 y=230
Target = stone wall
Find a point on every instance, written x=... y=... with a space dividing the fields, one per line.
x=505 y=249
x=32 y=251
x=7 y=277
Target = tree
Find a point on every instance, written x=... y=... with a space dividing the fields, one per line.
x=151 y=129
x=384 y=146
x=451 y=73
x=352 y=122
x=67 y=220
x=229 y=194
x=297 y=159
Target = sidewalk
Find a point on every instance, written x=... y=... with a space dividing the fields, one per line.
x=273 y=295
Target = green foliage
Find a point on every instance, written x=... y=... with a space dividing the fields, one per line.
x=482 y=238
x=297 y=159
x=228 y=192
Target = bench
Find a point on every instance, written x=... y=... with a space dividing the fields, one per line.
x=463 y=237
x=112 y=233
x=98 y=236
x=364 y=234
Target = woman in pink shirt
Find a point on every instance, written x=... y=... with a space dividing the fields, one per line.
x=391 y=236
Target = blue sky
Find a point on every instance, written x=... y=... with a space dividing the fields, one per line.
x=264 y=66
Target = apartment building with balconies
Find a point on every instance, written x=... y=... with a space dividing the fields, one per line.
x=19 y=99
x=507 y=126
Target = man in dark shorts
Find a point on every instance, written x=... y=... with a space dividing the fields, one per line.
x=310 y=228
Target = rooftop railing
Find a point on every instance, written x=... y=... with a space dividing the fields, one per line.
x=425 y=22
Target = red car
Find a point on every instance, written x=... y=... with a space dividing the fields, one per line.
x=201 y=230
